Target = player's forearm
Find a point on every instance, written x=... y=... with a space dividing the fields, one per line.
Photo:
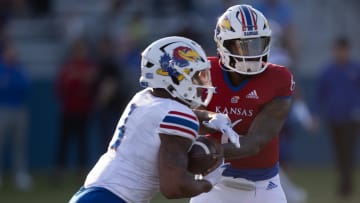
x=263 y=129
x=260 y=133
x=248 y=148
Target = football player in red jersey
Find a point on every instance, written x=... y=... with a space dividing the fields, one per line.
x=256 y=95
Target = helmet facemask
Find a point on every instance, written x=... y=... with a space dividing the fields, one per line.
x=199 y=89
x=246 y=56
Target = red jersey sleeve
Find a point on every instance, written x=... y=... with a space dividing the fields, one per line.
x=287 y=83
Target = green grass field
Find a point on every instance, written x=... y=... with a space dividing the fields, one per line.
x=319 y=183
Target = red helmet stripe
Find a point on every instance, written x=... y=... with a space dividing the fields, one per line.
x=253 y=19
x=243 y=20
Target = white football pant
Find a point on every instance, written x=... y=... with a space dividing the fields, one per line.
x=237 y=190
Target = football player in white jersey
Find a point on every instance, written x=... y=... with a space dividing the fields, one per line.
x=148 y=152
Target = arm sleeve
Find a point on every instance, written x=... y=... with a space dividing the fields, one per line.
x=287 y=83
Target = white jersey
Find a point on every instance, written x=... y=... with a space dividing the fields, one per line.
x=129 y=168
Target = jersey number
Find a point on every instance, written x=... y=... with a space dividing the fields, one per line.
x=122 y=129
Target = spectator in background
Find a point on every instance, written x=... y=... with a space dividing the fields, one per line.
x=14 y=87
x=339 y=96
x=74 y=85
x=111 y=91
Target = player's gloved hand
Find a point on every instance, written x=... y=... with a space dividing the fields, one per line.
x=215 y=176
x=222 y=123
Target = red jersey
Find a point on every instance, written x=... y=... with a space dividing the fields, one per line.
x=242 y=104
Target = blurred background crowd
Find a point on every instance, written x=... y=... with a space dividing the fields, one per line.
x=68 y=67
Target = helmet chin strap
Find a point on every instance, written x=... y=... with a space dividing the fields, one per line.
x=175 y=94
x=190 y=103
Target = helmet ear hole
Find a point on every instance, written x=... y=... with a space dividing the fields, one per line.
x=149 y=65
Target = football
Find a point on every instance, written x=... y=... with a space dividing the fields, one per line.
x=204 y=155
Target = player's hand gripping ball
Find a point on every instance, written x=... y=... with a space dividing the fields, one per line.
x=204 y=155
